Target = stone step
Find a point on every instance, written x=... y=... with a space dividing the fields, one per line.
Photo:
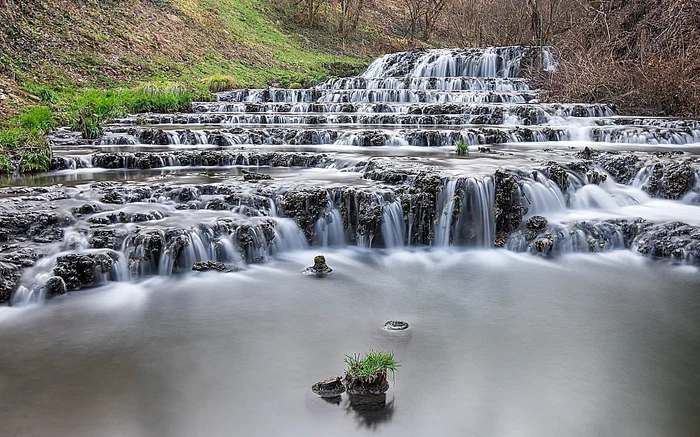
x=426 y=83
x=374 y=96
x=226 y=137
x=554 y=109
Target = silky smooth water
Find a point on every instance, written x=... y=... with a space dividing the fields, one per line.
x=501 y=344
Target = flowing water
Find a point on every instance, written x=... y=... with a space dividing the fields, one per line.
x=550 y=276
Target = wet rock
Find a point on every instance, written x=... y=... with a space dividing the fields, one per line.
x=84 y=270
x=320 y=268
x=623 y=167
x=670 y=180
x=535 y=226
x=37 y=226
x=355 y=386
x=9 y=277
x=508 y=208
x=306 y=206
x=329 y=388
x=208 y=266
x=558 y=175
x=251 y=176
x=55 y=286
x=86 y=209
x=677 y=241
x=395 y=325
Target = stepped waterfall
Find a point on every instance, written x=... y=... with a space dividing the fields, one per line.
x=514 y=258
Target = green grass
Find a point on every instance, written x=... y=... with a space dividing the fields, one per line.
x=462 y=148
x=35 y=161
x=373 y=365
x=219 y=83
x=38 y=119
x=5 y=165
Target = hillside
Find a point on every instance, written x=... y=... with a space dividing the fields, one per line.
x=106 y=43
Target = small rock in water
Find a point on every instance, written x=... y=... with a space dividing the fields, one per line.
x=252 y=176
x=329 y=387
x=395 y=325
x=320 y=268
x=208 y=266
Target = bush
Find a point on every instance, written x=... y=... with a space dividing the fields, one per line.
x=295 y=86
x=216 y=84
x=38 y=119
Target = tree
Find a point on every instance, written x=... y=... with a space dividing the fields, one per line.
x=431 y=12
x=350 y=11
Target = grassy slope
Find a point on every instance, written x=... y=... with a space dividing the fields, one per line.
x=110 y=43
x=83 y=60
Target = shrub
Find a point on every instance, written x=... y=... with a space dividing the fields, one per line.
x=295 y=86
x=216 y=84
x=38 y=119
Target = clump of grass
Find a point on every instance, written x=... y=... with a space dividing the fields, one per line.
x=370 y=368
x=5 y=165
x=16 y=138
x=11 y=138
x=152 y=98
x=35 y=161
x=47 y=95
x=462 y=148
x=217 y=84
x=296 y=86
x=38 y=119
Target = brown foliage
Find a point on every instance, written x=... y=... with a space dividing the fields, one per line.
x=643 y=55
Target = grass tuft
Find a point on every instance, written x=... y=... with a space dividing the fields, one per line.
x=374 y=365
x=35 y=161
x=217 y=84
x=5 y=165
x=38 y=119
x=462 y=148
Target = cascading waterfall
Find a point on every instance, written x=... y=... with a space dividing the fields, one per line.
x=428 y=99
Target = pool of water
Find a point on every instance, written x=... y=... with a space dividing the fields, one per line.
x=500 y=344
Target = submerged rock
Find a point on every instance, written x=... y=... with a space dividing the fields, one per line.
x=208 y=266
x=395 y=325
x=320 y=268
x=329 y=388
x=252 y=176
